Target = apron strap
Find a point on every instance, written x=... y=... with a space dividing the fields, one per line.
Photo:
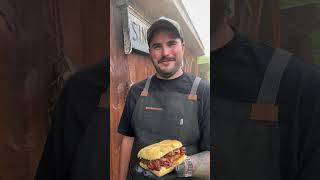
x=146 y=87
x=273 y=75
x=193 y=94
x=265 y=108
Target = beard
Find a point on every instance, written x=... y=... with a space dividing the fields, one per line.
x=167 y=72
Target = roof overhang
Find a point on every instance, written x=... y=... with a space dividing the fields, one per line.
x=174 y=9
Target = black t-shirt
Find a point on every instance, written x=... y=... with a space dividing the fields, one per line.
x=181 y=84
x=237 y=72
x=76 y=146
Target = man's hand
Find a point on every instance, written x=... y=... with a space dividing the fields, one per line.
x=200 y=165
x=125 y=154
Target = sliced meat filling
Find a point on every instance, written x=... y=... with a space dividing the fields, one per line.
x=166 y=161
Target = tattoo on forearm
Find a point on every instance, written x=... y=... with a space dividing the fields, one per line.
x=201 y=164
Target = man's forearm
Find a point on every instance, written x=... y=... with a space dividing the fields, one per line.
x=125 y=153
x=201 y=164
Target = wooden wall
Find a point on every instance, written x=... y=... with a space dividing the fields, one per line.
x=288 y=28
x=35 y=38
x=85 y=30
x=118 y=85
x=27 y=57
x=259 y=19
x=297 y=25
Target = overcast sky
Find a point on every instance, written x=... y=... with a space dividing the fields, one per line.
x=199 y=12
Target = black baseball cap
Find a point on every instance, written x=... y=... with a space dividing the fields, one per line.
x=166 y=23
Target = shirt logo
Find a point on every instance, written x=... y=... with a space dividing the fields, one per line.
x=153 y=108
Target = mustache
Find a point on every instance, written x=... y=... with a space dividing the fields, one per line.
x=164 y=59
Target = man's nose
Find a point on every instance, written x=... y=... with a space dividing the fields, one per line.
x=165 y=51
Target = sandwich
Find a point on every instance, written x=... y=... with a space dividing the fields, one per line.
x=162 y=158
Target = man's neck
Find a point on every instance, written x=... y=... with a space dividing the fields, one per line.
x=222 y=36
x=176 y=75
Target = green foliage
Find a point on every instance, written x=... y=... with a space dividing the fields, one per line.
x=203 y=60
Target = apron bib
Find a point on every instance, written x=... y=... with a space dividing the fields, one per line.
x=164 y=115
x=246 y=136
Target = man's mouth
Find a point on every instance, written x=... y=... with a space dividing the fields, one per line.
x=162 y=60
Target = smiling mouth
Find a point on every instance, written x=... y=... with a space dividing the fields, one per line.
x=166 y=60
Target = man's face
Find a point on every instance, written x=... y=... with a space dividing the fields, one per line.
x=166 y=51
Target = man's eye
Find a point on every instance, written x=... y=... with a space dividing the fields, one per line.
x=156 y=47
x=172 y=43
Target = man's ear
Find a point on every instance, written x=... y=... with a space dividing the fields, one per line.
x=183 y=46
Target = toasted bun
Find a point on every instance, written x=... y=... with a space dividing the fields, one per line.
x=158 y=150
x=163 y=171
